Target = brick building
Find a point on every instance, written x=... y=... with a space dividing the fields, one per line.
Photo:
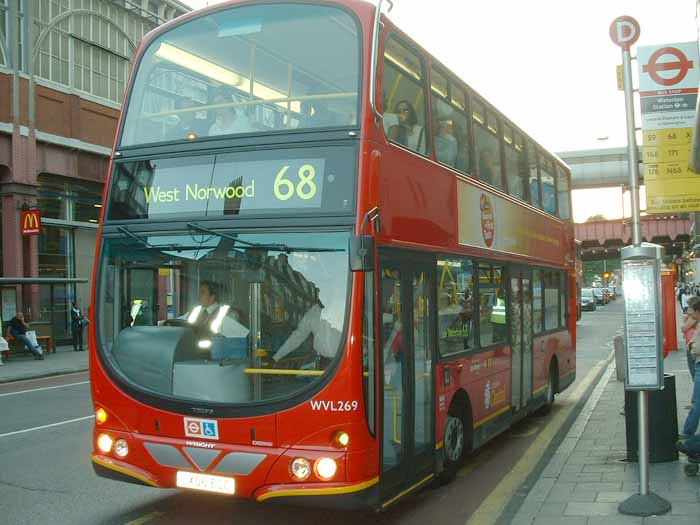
x=74 y=56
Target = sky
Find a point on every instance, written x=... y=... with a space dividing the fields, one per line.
x=549 y=65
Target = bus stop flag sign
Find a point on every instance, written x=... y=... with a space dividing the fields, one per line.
x=624 y=31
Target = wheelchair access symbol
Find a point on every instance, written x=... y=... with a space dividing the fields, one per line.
x=201 y=428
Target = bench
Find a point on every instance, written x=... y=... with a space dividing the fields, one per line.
x=17 y=347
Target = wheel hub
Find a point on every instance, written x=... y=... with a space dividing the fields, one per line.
x=454 y=438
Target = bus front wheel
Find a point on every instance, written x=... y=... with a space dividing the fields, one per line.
x=456 y=441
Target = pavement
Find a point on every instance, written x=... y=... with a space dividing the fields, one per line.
x=588 y=476
x=23 y=366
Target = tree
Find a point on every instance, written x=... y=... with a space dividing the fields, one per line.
x=598 y=217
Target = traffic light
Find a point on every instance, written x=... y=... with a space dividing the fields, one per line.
x=606 y=276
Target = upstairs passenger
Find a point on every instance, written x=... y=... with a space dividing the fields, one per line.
x=402 y=127
x=187 y=121
x=446 y=145
x=229 y=120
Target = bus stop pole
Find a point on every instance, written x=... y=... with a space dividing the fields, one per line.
x=644 y=503
x=633 y=166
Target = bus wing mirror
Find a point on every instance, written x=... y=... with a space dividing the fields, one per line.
x=361 y=250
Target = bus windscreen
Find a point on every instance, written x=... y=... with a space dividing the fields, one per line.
x=250 y=69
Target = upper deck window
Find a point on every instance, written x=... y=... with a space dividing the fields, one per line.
x=243 y=70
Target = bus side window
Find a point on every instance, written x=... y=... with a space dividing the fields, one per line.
x=534 y=184
x=405 y=110
x=493 y=313
x=548 y=185
x=537 y=316
x=563 y=193
x=455 y=299
x=488 y=146
x=450 y=130
x=514 y=156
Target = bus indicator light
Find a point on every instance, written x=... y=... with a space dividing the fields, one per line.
x=341 y=439
x=100 y=416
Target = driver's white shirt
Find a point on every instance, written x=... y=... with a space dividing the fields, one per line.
x=326 y=338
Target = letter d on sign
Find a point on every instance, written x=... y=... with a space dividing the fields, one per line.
x=624 y=31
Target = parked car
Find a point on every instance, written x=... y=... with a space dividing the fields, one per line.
x=588 y=299
x=600 y=297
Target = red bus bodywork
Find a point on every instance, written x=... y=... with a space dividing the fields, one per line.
x=420 y=209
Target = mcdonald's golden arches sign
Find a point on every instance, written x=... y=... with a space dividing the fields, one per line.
x=31 y=222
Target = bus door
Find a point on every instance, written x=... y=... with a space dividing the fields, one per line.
x=521 y=336
x=406 y=297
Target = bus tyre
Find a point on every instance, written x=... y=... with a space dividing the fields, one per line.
x=456 y=441
x=551 y=390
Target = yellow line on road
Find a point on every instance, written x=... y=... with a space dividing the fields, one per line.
x=146 y=518
x=492 y=507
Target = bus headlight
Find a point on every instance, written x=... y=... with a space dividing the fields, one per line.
x=326 y=468
x=104 y=443
x=121 y=448
x=301 y=468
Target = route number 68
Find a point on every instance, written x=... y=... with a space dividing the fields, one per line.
x=305 y=189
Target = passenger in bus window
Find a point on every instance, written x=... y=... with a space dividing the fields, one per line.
x=187 y=121
x=402 y=127
x=488 y=167
x=317 y=115
x=229 y=120
x=446 y=145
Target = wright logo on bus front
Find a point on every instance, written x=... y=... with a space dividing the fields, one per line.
x=201 y=428
x=487 y=219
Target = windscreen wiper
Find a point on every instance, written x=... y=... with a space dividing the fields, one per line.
x=253 y=245
x=143 y=242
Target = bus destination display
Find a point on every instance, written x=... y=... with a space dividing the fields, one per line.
x=229 y=184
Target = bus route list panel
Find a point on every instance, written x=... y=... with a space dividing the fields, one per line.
x=641 y=324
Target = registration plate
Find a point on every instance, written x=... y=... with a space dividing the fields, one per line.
x=205 y=482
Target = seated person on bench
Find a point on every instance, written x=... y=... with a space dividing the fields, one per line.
x=18 y=330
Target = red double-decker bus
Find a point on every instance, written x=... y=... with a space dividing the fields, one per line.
x=327 y=268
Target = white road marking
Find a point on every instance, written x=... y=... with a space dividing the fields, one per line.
x=43 y=388
x=8 y=434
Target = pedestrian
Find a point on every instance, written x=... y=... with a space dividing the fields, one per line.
x=685 y=295
x=18 y=329
x=691 y=422
x=77 y=323
x=689 y=328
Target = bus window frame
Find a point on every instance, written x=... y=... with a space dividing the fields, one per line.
x=424 y=81
x=560 y=167
x=254 y=137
